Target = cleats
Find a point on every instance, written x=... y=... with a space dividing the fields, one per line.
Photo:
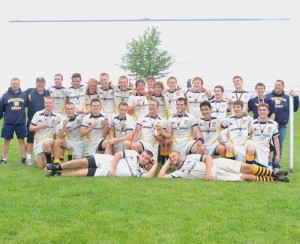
x=2 y=161
x=53 y=167
x=23 y=160
x=52 y=173
x=280 y=173
x=283 y=179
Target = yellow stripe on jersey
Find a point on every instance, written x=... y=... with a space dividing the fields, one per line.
x=175 y=139
x=88 y=138
x=190 y=136
x=68 y=136
x=36 y=139
x=134 y=115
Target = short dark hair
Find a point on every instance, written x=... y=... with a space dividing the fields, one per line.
x=219 y=86
x=61 y=76
x=238 y=102
x=148 y=152
x=260 y=84
x=205 y=104
x=76 y=75
x=95 y=100
x=181 y=99
x=122 y=104
x=139 y=81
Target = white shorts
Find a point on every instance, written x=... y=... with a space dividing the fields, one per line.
x=92 y=146
x=183 y=148
x=38 y=148
x=118 y=147
x=103 y=164
x=150 y=147
x=227 y=169
x=261 y=154
x=77 y=147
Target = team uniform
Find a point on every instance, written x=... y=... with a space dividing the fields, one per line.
x=121 y=96
x=162 y=105
x=138 y=110
x=121 y=127
x=182 y=126
x=223 y=169
x=107 y=100
x=74 y=140
x=171 y=98
x=95 y=136
x=59 y=97
x=148 y=127
x=76 y=96
x=219 y=108
x=239 y=95
x=128 y=166
x=41 y=135
x=193 y=102
x=262 y=133
x=238 y=129
x=211 y=132
x=88 y=98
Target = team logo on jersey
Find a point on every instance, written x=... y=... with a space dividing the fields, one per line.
x=177 y=93
x=16 y=103
x=269 y=129
x=277 y=101
x=244 y=122
x=186 y=122
x=214 y=124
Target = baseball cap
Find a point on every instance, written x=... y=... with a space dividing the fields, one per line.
x=40 y=79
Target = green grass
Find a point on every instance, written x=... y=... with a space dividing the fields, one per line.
x=37 y=209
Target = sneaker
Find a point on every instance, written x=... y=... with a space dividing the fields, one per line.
x=23 y=160
x=2 y=161
x=282 y=179
x=52 y=173
x=28 y=162
x=280 y=173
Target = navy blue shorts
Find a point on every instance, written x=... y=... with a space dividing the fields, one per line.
x=30 y=134
x=9 y=130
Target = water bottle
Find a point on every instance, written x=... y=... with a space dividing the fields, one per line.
x=270 y=166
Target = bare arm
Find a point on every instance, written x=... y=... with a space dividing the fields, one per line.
x=208 y=163
x=114 y=163
x=136 y=133
x=163 y=172
x=37 y=127
x=152 y=171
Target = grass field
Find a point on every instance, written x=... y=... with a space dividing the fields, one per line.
x=37 y=209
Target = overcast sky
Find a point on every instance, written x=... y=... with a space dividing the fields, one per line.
x=259 y=51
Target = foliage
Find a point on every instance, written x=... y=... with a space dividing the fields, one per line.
x=144 y=56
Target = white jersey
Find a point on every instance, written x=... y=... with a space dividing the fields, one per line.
x=128 y=165
x=51 y=121
x=88 y=98
x=107 y=100
x=121 y=96
x=76 y=96
x=95 y=134
x=139 y=110
x=219 y=108
x=238 y=129
x=223 y=169
x=171 y=98
x=72 y=131
x=59 y=97
x=210 y=130
x=122 y=126
x=149 y=126
x=193 y=102
x=182 y=126
x=239 y=95
x=162 y=105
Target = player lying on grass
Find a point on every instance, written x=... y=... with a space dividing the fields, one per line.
x=126 y=163
x=204 y=167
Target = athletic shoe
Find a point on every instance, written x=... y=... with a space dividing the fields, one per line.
x=282 y=179
x=280 y=173
x=2 y=161
x=23 y=160
x=28 y=162
x=53 y=167
x=52 y=173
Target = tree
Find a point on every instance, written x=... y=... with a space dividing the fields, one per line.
x=144 y=56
